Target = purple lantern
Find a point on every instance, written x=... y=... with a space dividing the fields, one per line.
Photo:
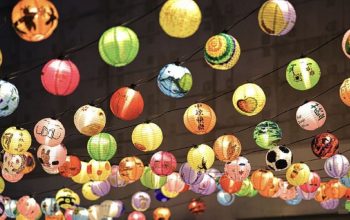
x=214 y=173
x=159 y=196
x=306 y=195
x=100 y=188
x=190 y=176
x=206 y=187
x=336 y=166
x=114 y=178
x=330 y=204
x=141 y=201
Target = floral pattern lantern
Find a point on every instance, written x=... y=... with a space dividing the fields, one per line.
x=135 y=215
x=206 y=187
x=190 y=176
x=346 y=44
x=163 y=163
x=49 y=206
x=49 y=132
x=199 y=118
x=100 y=188
x=82 y=177
x=131 y=169
x=279 y=158
x=227 y=148
x=10 y=98
x=298 y=174
x=71 y=167
x=238 y=169
x=98 y=170
x=200 y=157
x=89 y=120
x=224 y=198
x=147 y=136
x=311 y=116
x=52 y=157
x=140 y=201
x=87 y=192
x=229 y=185
x=115 y=179
x=337 y=166
x=16 y=140
x=325 y=145
x=67 y=198
x=102 y=147
x=267 y=134
x=330 y=204
x=161 y=213
x=249 y=99
x=196 y=206
x=312 y=184
x=261 y=179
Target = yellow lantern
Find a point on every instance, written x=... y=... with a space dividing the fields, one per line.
x=16 y=140
x=298 y=174
x=2 y=185
x=89 y=120
x=201 y=157
x=161 y=213
x=180 y=18
x=87 y=192
x=67 y=198
x=199 y=118
x=99 y=170
x=249 y=99
x=344 y=92
x=82 y=177
x=0 y=58
x=168 y=194
x=147 y=136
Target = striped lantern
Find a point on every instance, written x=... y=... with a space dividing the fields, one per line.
x=189 y=175
x=102 y=147
x=100 y=188
x=227 y=148
x=174 y=183
x=276 y=17
x=337 y=166
x=199 y=118
x=151 y=180
x=147 y=136
x=131 y=168
x=222 y=51
x=89 y=120
x=311 y=116
x=249 y=99
x=206 y=187
x=115 y=179
x=298 y=174
x=140 y=201
x=163 y=163
x=330 y=204
x=201 y=157
x=344 y=91
x=10 y=98
x=16 y=140
x=238 y=169
x=346 y=44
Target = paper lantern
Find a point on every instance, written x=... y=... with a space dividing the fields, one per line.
x=200 y=157
x=227 y=148
x=298 y=174
x=347 y=205
x=279 y=158
x=249 y=99
x=118 y=46
x=276 y=17
x=163 y=163
x=337 y=166
x=60 y=77
x=206 y=187
x=82 y=177
x=196 y=206
x=80 y=213
x=222 y=51
x=344 y=91
x=13 y=164
x=224 y=198
x=311 y=116
x=100 y=188
x=12 y=178
x=174 y=183
x=267 y=134
x=345 y=180
x=161 y=213
x=28 y=207
x=94 y=212
x=30 y=163
x=131 y=168
x=229 y=185
x=98 y=170
x=70 y=167
x=1 y=58
x=346 y=44
x=87 y=192
x=335 y=190
x=174 y=81
x=67 y=198
x=312 y=184
x=347 y=194
x=199 y=118
x=214 y=173
x=306 y=195
x=261 y=179
x=89 y=120
x=151 y=180
x=160 y=196
x=245 y=189
x=57 y=216
x=295 y=201
x=180 y=18
x=273 y=190
x=140 y=201
x=49 y=132
x=126 y=104
x=147 y=136
x=102 y=147
x=2 y=188
x=16 y=140
x=11 y=208
x=287 y=191
x=330 y=204
x=34 y=20
x=238 y=169
x=115 y=179
x=52 y=157
x=10 y=98
x=112 y=209
x=135 y=215
x=325 y=145
x=320 y=194
x=49 y=206
x=51 y=170
x=189 y=175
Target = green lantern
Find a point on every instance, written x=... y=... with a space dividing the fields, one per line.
x=303 y=73
x=347 y=205
x=151 y=180
x=102 y=147
x=118 y=46
x=267 y=134
x=246 y=188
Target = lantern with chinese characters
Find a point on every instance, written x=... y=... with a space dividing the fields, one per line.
x=71 y=167
x=147 y=136
x=229 y=185
x=13 y=163
x=180 y=18
x=141 y=201
x=298 y=174
x=200 y=157
x=249 y=99
x=49 y=132
x=224 y=198
x=345 y=180
x=174 y=183
x=335 y=190
x=28 y=207
x=336 y=166
x=206 y=187
x=196 y=206
x=344 y=91
x=12 y=178
x=16 y=140
x=199 y=118
x=151 y=180
x=227 y=148
x=118 y=46
x=174 y=80
x=112 y=209
x=276 y=17
x=222 y=51
x=273 y=189
x=67 y=198
x=102 y=147
x=10 y=98
x=89 y=120
x=126 y=103
x=267 y=134
x=346 y=44
x=261 y=179
x=29 y=163
x=312 y=184
x=60 y=77
x=87 y=192
x=330 y=204
x=98 y=170
x=82 y=177
x=325 y=145
x=279 y=158
x=34 y=20
x=311 y=116
x=189 y=175
x=136 y=215
x=161 y=213
x=131 y=168
x=100 y=188
x=163 y=163
x=115 y=179
x=49 y=206
x=52 y=157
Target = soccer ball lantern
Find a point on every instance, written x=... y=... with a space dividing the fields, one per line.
x=279 y=158
x=311 y=116
x=249 y=99
x=199 y=118
x=10 y=98
x=267 y=134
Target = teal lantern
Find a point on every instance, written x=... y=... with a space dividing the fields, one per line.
x=151 y=180
x=267 y=134
x=118 y=46
x=102 y=147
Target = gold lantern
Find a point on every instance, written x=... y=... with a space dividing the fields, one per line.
x=199 y=118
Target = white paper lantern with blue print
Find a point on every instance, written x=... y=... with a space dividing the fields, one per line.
x=11 y=208
x=225 y=198
x=174 y=80
x=9 y=98
x=49 y=206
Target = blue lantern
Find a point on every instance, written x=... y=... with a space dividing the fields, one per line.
x=159 y=196
x=295 y=201
x=225 y=198
x=11 y=208
x=9 y=98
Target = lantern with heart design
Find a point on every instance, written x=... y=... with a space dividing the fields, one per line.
x=49 y=132
x=199 y=118
x=298 y=174
x=227 y=148
x=238 y=169
x=9 y=98
x=16 y=140
x=249 y=99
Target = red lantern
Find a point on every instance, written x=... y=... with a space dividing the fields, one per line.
x=163 y=163
x=229 y=185
x=325 y=145
x=312 y=184
x=196 y=206
x=136 y=215
x=71 y=167
x=126 y=103
x=60 y=77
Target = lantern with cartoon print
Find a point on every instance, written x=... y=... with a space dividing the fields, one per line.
x=131 y=168
x=71 y=167
x=206 y=187
x=13 y=163
x=29 y=163
x=98 y=170
x=49 y=132
x=200 y=157
x=227 y=148
x=337 y=166
x=10 y=98
x=67 y=198
x=16 y=140
x=325 y=145
x=12 y=178
x=52 y=157
x=238 y=169
x=298 y=174
x=140 y=201
x=89 y=120
x=189 y=175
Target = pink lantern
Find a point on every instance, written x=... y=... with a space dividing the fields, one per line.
x=312 y=184
x=68 y=214
x=52 y=157
x=114 y=178
x=174 y=183
x=12 y=178
x=28 y=207
x=206 y=187
x=306 y=195
x=238 y=169
x=100 y=188
x=49 y=132
x=135 y=215
x=163 y=163
x=60 y=77
x=287 y=191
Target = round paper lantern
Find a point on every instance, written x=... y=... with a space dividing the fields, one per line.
x=49 y=206
x=13 y=164
x=249 y=99
x=2 y=188
x=320 y=194
x=49 y=132
x=29 y=163
x=276 y=17
x=82 y=177
x=89 y=120
x=12 y=178
x=151 y=180
x=311 y=116
x=295 y=201
x=224 y=198
x=174 y=183
x=245 y=189
x=1 y=58
x=261 y=179
x=58 y=216
x=335 y=190
x=189 y=175
x=115 y=179
x=345 y=180
x=303 y=74
x=199 y=118
x=10 y=98
x=52 y=157
x=206 y=187
x=100 y=188
x=11 y=208
x=28 y=207
x=135 y=215
x=196 y=206
x=238 y=169
x=98 y=170
x=229 y=185
x=312 y=184
x=140 y=201
x=102 y=147
x=287 y=192
x=346 y=44
x=160 y=196
x=306 y=195
x=347 y=194
x=67 y=198
x=344 y=91
x=34 y=20
x=131 y=168
x=214 y=173
x=180 y=18
x=325 y=145
x=347 y=205
x=126 y=104
x=279 y=158
x=273 y=190
x=161 y=213
x=71 y=167
x=174 y=81
x=87 y=192
x=169 y=194
x=94 y=212
x=336 y=166
x=267 y=134
x=16 y=140
x=201 y=157
x=60 y=77
x=112 y=209
x=118 y=46
x=80 y=213
x=227 y=148
x=163 y=163
x=147 y=136
x=330 y=204
x=298 y=174
x=222 y=51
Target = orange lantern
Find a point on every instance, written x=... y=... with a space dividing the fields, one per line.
x=335 y=190
x=196 y=206
x=71 y=167
x=34 y=20
x=273 y=190
x=320 y=195
x=261 y=179
x=199 y=118
x=227 y=148
x=131 y=169
x=229 y=185
x=161 y=213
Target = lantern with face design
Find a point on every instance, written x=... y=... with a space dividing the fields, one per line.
x=13 y=164
x=298 y=174
x=238 y=169
x=89 y=120
x=16 y=140
x=28 y=207
x=151 y=180
x=227 y=148
x=335 y=190
x=312 y=184
x=67 y=198
x=52 y=157
x=163 y=163
x=9 y=98
x=206 y=187
x=337 y=166
x=98 y=170
x=325 y=145
x=273 y=190
x=70 y=167
x=82 y=177
x=49 y=206
x=49 y=132
x=131 y=168
x=249 y=99
x=115 y=179
x=29 y=163
x=261 y=179
x=189 y=175
x=229 y=185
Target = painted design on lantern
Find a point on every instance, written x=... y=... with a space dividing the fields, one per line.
x=296 y=170
x=199 y=118
x=267 y=131
x=9 y=99
x=297 y=75
x=52 y=133
x=325 y=145
x=6 y=139
x=13 y=164
x=318 y=110
x=248 y=104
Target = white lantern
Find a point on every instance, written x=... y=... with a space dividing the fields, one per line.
x=311 y=116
